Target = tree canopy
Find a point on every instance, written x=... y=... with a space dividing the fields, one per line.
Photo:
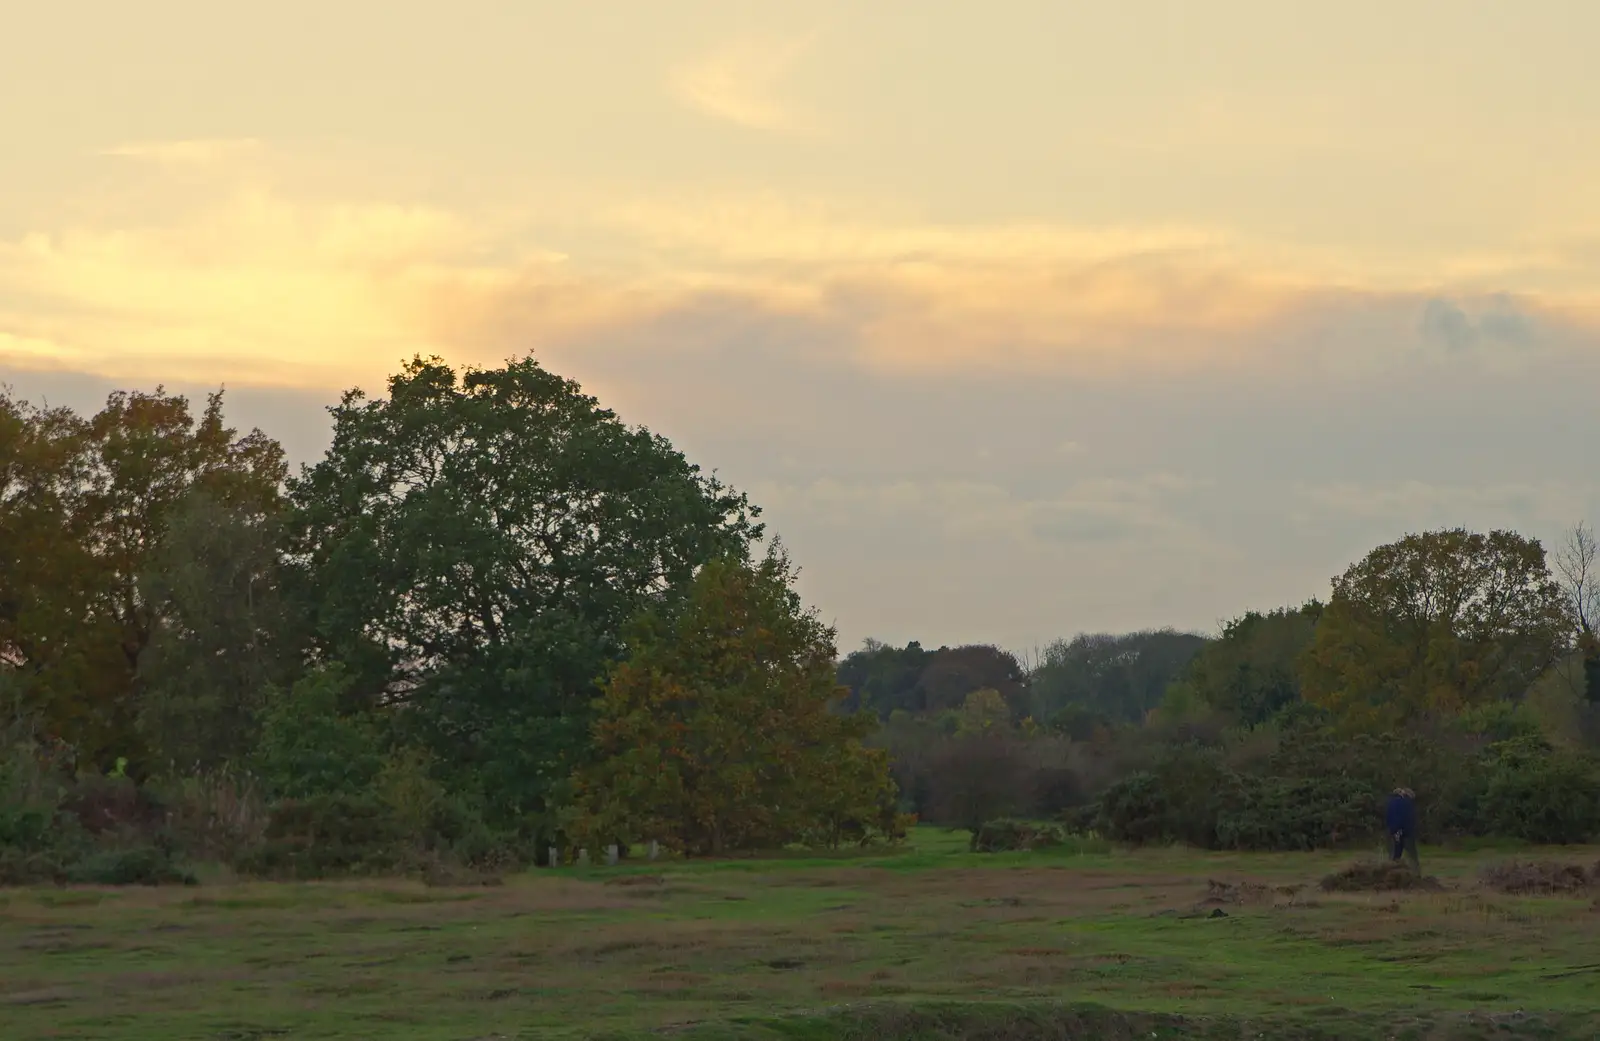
x=720 y=730
x=1252 y=671
x=473 y=545
x=86 y=508
x=1114 y=677
x=1433 y=623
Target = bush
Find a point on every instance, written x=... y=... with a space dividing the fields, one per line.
x=1541 y=796
x=21 y=867
x=310 y=748
x=24 y=829
x=1008 y=836
x=214 y=817
x=328 y=835
x=149 y=865
x=113 y=806
x=1183 y=799
x=1300 y=813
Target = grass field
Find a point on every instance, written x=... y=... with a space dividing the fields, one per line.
x=927 y=942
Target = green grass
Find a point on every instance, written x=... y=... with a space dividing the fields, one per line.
x=928 y=942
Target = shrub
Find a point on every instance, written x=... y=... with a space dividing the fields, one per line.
x=215 y=816
x=145 y=865
x=1300 y=813
x=24 y=829
x=113 y=805
x=328 y=835
x=310 y=748
x=1007 y=836
x=1181 y=800
x=1539 y=795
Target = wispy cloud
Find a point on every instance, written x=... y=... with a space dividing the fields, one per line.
x=197 y=152
x=316 y=291
x=742 y=82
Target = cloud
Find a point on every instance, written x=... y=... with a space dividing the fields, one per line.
x=253 y=283
x=740 y=81
x=200 y=152
x=1501 y=323
x=1433 y=505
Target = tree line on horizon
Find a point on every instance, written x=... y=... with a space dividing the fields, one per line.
x=494 y=619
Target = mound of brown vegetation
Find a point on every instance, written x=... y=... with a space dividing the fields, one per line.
x=1540 y=876
x=1377 y=876
x=1220 y=893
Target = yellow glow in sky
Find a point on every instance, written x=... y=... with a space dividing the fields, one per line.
x=1126 y=313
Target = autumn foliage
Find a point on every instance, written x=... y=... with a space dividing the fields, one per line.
x=721 y=729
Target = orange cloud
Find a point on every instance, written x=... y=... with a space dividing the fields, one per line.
x=255 y=285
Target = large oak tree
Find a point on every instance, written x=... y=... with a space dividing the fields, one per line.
x=471 y=548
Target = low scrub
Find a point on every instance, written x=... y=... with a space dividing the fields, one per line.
x=139 y=866
x=325 y=836
x=1009 y=836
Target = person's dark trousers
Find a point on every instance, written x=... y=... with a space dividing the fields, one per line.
x=1406 y=846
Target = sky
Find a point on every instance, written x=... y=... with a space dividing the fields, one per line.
x=1019 y=319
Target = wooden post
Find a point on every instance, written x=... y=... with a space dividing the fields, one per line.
x=555 y=857
x=611 y=855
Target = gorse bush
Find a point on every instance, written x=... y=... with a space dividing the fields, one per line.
x=1537 y=794
x=1296 y=813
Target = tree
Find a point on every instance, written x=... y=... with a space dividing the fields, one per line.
x=1433 y=623
x=1116 y=677
x=228 y=635
x=983 y=712
x=1579 y=572
x=884 y=678
x=472 y=547
x=912 y=679
x=1252 y=671
x=952 y=673
x=85 y=509
x=718 y=732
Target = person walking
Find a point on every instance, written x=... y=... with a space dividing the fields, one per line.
x=1401 y=823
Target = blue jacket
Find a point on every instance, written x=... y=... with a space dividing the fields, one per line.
x=1401 y=816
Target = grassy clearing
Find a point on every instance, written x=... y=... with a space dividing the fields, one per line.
x=932 y=942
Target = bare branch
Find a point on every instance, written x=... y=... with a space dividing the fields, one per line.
x=1576 y=566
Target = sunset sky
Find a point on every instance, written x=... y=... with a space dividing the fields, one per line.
x=1019 y=318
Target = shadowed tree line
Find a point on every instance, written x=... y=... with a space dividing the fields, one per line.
x=1462 y=664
